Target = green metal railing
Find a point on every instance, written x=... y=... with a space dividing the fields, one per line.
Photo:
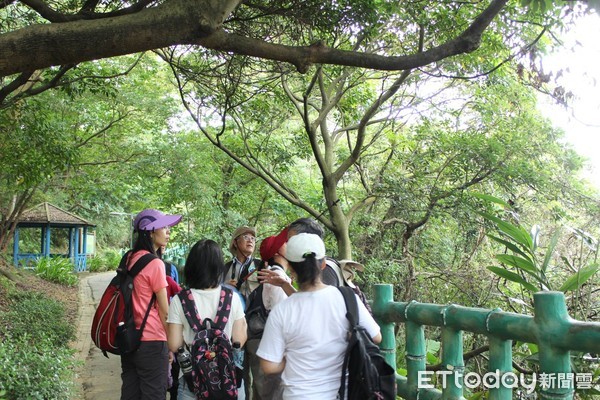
x=551 y=328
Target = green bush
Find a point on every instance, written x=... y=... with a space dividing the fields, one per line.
x=37 y=362
x=35 y=316
x=35 y=370
x=111 y=259
x=95 y=264
x=107 y=260
x=56 y=269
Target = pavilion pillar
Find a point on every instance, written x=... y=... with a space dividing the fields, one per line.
x=16 y=247
x=46 y=231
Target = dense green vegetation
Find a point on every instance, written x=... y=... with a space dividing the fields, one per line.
x=35 y=334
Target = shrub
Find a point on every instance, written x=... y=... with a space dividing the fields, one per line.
x=111 y=259
x=95 y=264
x=35 y=316
x=35 y=370
x=56 y=269
x=108 y=260
x=37 y=362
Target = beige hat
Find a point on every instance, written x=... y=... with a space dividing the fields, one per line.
x=348 y=267
x=239 y=232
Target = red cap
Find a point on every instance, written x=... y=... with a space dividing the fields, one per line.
x=271 y=245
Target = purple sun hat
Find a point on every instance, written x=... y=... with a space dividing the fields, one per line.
x=150 y=219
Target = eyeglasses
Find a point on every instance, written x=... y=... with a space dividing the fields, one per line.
x=248 y=238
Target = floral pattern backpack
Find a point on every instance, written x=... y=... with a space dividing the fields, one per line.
x=213 y=371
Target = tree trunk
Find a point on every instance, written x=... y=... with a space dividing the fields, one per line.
x=410 y=273
x=342 y=235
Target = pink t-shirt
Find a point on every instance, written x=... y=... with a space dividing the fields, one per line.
x=150 y=280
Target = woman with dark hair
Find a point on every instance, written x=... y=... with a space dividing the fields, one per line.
x=145 y=371
x=203 y=272
x=305 y=337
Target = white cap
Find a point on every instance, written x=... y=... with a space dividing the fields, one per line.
x=302 y=244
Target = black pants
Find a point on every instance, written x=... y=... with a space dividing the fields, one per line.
x=144 y=373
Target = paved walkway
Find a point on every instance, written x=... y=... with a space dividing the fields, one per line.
x=99 y=378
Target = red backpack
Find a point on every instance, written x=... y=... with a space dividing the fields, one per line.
x=113 y=326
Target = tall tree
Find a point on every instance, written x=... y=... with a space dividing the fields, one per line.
x=271 y=125
x=269 y=115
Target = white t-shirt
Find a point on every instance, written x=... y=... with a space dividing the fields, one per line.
x=310 y=330
x=272 y=294
x=207 y=302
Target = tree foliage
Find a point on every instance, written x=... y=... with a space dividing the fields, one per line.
x=384 y=159
x=76 y=142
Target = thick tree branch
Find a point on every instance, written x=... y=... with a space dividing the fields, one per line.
x=302 y=57
x=200 y=22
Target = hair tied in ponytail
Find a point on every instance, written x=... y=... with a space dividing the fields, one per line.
x=309 y=254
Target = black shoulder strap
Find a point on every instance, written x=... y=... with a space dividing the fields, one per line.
x=351 y=305
x=133 y=271
x=224 y=308
x=191 y=312
x=352 y=316
x=228 y=265
x=167 y=268
x=141 y=263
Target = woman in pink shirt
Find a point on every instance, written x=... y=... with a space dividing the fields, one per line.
x=144 y=372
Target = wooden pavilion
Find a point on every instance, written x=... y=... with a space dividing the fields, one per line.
x=48 y=219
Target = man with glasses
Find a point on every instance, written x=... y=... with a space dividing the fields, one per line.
x=241 y=271
x=242 y=275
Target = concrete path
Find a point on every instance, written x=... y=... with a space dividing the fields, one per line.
x=99 y=378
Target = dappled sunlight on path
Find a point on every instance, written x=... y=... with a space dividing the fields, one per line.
x=99 y=378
